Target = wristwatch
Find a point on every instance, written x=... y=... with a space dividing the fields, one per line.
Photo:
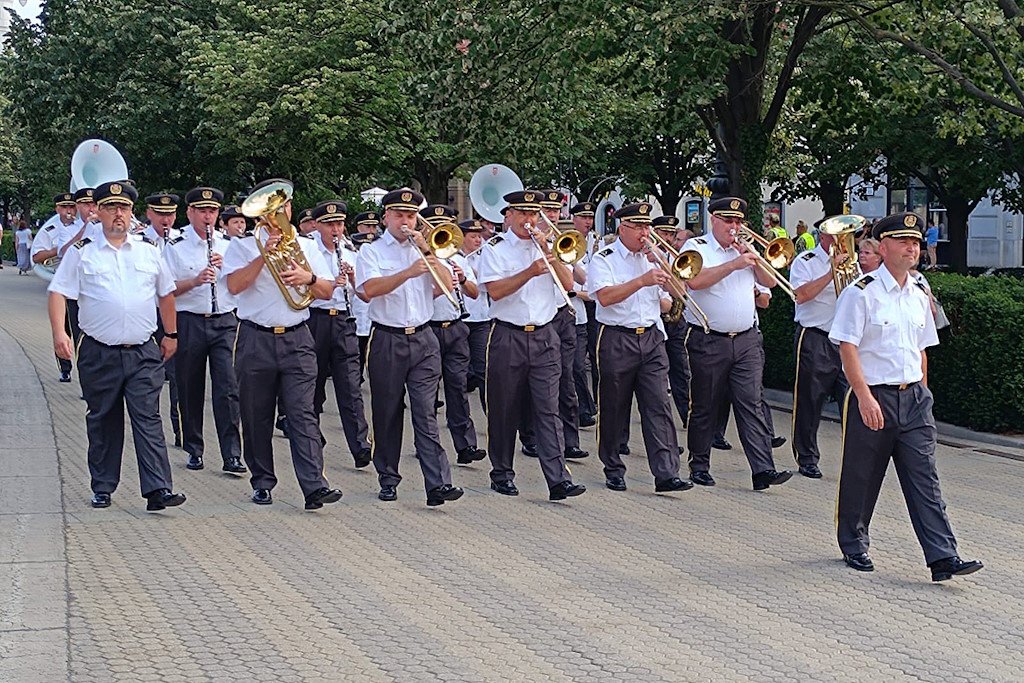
x=171 y=335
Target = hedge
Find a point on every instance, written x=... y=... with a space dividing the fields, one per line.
x=977 y=370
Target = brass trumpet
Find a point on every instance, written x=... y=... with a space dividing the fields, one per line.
x=684 y=266
x=842 y=229
x=266 y=205
x=778 y=253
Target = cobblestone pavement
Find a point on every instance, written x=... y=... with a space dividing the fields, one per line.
x=718 y=584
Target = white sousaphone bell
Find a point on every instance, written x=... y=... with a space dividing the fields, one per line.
x=488 y=187
x=93 y=163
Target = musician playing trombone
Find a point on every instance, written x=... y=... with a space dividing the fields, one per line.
x=726 y=363
x=524 y=354
x=401 y=277
x=630 y=288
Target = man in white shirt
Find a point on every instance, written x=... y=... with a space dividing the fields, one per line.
x=274 y=356
x=883 y=324
x=207 y=328
x=479 y=320
x=333 y=326
x=402 y=354
x=586 y=323
x=85 y=226
x=630 y=291
x=524 y=352
x=120 y=283
x=367 y=225
x=45 y=246
x=726 y=363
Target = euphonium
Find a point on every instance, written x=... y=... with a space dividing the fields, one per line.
x=842 y=229
x=266 y=205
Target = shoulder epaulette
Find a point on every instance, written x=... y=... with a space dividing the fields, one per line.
x=308 y=237
x=865 y=281
x=147 y=239
x=921 y=285
x=496 y=240
x=605 y=252
x=177 y=239
x=82 y=242
x=699 y=240
x=50 y=227
x=808 y=256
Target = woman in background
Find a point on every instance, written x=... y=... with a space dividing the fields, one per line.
x=22 y=247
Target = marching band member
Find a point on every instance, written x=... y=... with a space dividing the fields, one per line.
x=524 y=351
x=333 y=327
x=207 y=328
x=274 y=358
x=306 y=223
x=69 y=235
x=883 y=326
x=367 y=224
x=819 y=370
x=676 y=326
x=402 y=353
x=44 y=247
x=583 y=220
x=726 y=364
x=232 y=222
x=120 y=283
x=453 y=339
x=631 y=353
x=479 y=320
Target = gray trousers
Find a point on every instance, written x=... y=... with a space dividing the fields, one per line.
x=522 y=368
x=115 y=377
x=564 y=324
x=908 y=438
x=819 y=372
x=453 y=342
x=678 y=366
x=628 y=364
x=269 y=366
x=724 y=369
x=337 y=355
x=202 y=339
x=579 y=373
x=397 y=362
x=478 y=333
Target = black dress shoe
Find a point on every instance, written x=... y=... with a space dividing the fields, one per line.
x=282 y=424
x=363 y=458
x=946 y=569
x=443 y=494
x=322 y=496
x=719 y=443
x=587 y=420
x=673 y=484
x=763 y=480
x=505 y=488
x=576 y=453
x=530 y=450
x=702 y=478
x=100 y=500
x=470 y=454
x=624 y=449
x=163 y=498
x=262 y=497
x=566 y=489
x=615 y=483
x=65 y=377
x=859 y=561
x=195 y=462
x=778 y=441
x=811 y=471
x=234 y=465
x=388 y=493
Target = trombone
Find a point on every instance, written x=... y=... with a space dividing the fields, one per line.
x=544 y=256
x=684 y=266
x=778 y=253
x=443 y=240
x=568 y=245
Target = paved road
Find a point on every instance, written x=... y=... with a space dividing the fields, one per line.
x=718 y=585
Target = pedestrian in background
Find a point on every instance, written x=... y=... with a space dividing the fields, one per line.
x=22 y=245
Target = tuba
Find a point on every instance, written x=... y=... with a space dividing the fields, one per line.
x=842 y=229
x=487 y=188
x=266 y=205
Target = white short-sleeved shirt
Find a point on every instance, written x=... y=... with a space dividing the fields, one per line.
x=93 y=232
x=172 y=233
x=890 y=326
x=729 y=303
x=443 y=309
x=330 y=256
x=117 y=288
x=479 y=308
x=411 y=303
x=186 y=256
x=536 y=302
x=46 y=237
x=819 y=311
x=616 y=265
x=262 y=302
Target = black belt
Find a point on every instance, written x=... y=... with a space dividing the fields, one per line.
x=116 y=346
x=444 y=324
x=271 y=330
x=895 y=387
x=399 y=330
x=730 y=335
x=328 y=311
x=521 y=328
x=815 y=329
x=632 y=330
x=205 y=315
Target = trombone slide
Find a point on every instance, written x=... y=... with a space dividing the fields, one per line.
x=433 y=271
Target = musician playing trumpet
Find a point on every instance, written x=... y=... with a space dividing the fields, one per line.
x=631 y=290
x=726 y=363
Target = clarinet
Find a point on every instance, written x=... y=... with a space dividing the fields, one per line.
x=463 y=311
x=341 y=271
x=209 y=263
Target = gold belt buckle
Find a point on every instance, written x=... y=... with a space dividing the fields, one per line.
x=529 y=328
x=446 y=324
x=641 y=330
x=410 y=330
x=732 y=334
x=207 y=315
x=334 y=311
x=279 y=330
x=902 y=387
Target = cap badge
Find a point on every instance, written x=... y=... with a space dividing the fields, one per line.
x=115 y=189
x=644 y=208
x=734 y=204
x=207 y=194
x=332 y=208
x=407 y=196
x=553 y=197
x=438 y=210
x=529 y=197
x=88 y=193
x=165 y=200
x=372 y=216
x=910 y=221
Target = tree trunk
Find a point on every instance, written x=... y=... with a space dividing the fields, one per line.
x=833 y=197
x=433 y=179
x=957 y=211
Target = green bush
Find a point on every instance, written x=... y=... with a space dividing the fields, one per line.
x=977 y=370
x=7 y=247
